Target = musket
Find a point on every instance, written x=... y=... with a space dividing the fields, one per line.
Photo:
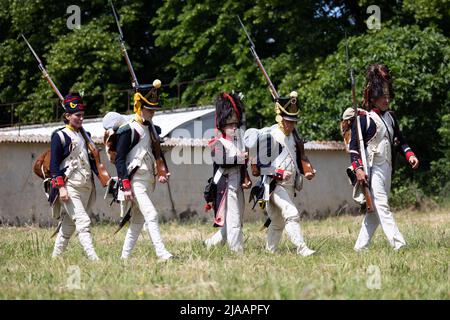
x=103 y=174
x=156 y=143
x=272 y=89
x=306 y=166
x=44 y=72
x=362 y=151
x=161 y=163
x=134 y=81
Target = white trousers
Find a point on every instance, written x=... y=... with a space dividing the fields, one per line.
x=231 y=232
x=381 y=187
x=284 y=215
x=142 y=212
x=76 y=219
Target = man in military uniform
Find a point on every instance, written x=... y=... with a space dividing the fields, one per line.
x=230 y=172
x=139 y=163
x=282 y=162
x=380 y=132
x=72 y=180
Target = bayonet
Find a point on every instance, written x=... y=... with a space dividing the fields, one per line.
x=44 y=72
x=305 y=164
x=272 y=89
x=58 y=227
x=103 y=174
x=124 y=220
x=155 y=138
x=134 y=81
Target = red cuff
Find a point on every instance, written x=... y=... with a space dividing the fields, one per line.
x=279 y=173
x=409 y=154
x=357 y=164
x=125 y=184
x=58 y=182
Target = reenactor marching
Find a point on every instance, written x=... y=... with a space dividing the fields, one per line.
x=67 y=171
x=282 y=163
x=230 y=172
x=139 y=164
x=381 y=134
x=72 y=179
x=276 y=153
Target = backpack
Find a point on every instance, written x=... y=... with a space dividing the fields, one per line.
x=346 y=125
x=111 y=123
x=41 y=166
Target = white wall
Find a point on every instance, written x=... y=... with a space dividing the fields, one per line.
x=22 y=199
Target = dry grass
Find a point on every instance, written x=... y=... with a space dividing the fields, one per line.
x=335 y=272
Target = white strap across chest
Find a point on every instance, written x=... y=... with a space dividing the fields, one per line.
x=384 y=129
x=282 y=139
x=231 y=149
x=78 y=153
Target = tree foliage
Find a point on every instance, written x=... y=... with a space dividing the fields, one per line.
x=420 y=64
x=183 y=43
x=86 y=59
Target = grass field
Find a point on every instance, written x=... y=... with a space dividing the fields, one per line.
x=336 y=272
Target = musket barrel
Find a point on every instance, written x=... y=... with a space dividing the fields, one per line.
x=117 y=21
x=103 y=175
x=359 y=135
x=32 y=51
x=44 y=71
x=272 y=89
x=245 y=30
x=134 y=81
x=52 y=84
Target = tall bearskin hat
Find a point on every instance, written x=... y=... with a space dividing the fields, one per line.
x=378 y=84
x=286 y=108
x=229 y=109
x=148 y=100
x=73 y=103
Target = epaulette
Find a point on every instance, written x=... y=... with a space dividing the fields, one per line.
x=362 y=112
x=56 y=130
x=61 y=135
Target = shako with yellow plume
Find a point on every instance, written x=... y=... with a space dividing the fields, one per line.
x=286 y=108
x=149 y=100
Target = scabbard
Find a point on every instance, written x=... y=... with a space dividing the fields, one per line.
x=266 y=224
x=124 y=220
x=58 y=227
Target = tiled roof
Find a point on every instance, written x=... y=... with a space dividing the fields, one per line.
x=168 y=121
x=324 y=145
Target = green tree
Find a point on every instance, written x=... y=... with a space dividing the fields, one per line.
x=207 y=42
x=300 y=44
x=87 y=59
x=419 y=61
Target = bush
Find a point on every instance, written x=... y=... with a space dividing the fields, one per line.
x=409 y=196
